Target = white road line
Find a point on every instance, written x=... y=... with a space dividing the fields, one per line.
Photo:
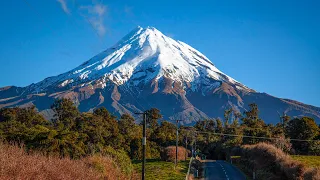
x=224 y=172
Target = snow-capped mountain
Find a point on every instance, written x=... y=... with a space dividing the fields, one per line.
x=142 y=56
x=148 y=69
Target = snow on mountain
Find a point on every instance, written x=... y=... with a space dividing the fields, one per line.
x=143 y=55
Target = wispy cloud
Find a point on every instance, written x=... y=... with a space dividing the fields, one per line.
x=93 y=13
x=95 y=16
x=64 y=6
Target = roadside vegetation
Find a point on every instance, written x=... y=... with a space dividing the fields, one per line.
x=158 y=169
x=269 y=162
x=309 y=161
x=16 y=163
x=77 y=136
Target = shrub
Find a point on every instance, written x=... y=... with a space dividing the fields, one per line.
x=106 y=166
x=169 y=153
x=270 y=162
x=15 y=163
x=121 y=158
x=312 y=174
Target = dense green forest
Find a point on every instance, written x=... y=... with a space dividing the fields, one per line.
x=74 y=134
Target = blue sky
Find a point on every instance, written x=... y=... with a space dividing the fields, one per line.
x=271 y=46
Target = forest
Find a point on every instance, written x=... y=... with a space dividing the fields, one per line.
x=73 y=134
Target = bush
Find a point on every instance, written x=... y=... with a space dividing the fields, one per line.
x=15 y=163
x=169 y=153
x=196 y=165
x=312 y=174
x=105 y=166
x=270 y=162
x=121 y=158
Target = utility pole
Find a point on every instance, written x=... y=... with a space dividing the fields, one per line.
x=177 y=139
x=195 y=147
x=282 y=119
x=186 y=148
x=283 y=128
x=144 y=143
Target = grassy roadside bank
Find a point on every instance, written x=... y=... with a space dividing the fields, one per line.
x=157 y=169
x=267 y=161
x=309 y=161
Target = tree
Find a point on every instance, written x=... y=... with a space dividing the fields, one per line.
x=109 y=122
x=21 y=125
x=131 y=134
x=153 y=116
x=227 y=117
x=232 y=141
x=253 y=126
x=200 y=126
x=304 y=128
x=65 y=113
x=219 y=128
x=28 y=116
x=165 y=135
x=210 y=125
x=206 y=125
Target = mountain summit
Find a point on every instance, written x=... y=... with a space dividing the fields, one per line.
x=148 y=69
x=144 y=55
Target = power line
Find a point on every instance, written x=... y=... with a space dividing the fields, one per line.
x=145 y=100
x=127 y=89
x=256 y=137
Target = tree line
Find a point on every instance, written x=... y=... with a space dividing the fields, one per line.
x=74 y=134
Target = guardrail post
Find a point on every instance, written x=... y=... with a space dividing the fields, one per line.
x=187 y=177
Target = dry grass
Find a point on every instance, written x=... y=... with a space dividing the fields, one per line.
x=312 y=173
x=15 y=163
x=105 y=166
x=270 y=162
x=169 y=153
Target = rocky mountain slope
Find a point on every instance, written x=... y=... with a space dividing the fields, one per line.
x=148 y=69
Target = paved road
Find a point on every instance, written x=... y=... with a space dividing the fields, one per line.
x=221 y=170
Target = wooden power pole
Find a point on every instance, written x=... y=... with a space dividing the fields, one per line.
x=144 y=143
x=177 y=139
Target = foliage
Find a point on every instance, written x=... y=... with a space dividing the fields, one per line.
x=16 y=163
x=269 y=162
x=303 y=128
x=165 y=135
x=254 y=126
x=169 y=153
x=121 y=158
x=77 y=135
x=65 y=113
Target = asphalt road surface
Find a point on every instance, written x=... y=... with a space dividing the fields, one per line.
x=221 y=170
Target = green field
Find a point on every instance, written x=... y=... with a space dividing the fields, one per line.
x=157 y=169
x=310 y=161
